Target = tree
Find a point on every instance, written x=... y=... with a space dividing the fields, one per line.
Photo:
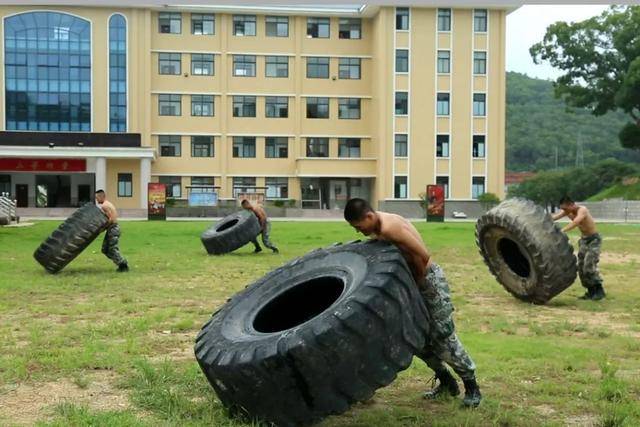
x=601 y=60
x=488 y=200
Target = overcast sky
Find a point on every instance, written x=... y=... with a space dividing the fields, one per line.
x=527 y=26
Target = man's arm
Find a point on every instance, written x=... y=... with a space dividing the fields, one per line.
x=262 y=217
x=576 y=221
x=109 y=212
x=414 y=250
x=560 y=214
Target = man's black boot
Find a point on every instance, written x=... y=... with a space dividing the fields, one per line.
x=257 y=249
x=598 y=293
x=123 y=267
x=446 y=384
x=472 y=395
x=588 y=294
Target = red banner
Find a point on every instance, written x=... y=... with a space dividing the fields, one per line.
x=435 y=203
x=16 y=164
x=156 y=201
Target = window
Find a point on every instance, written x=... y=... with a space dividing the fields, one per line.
x=169 y=63
x=276 y=106
x=443 y=104
x=125 y=187
x=202 y=64
x=5 y=184
x=170 y=23
x=277 y=66
x=444 y=181
x=348 y=147
x=47 y=65
x=203 y=180
x=442 y=146
x=317 y=147
x=444 y=62
x=243 y=184
x=202 y=146
x=478 y=146
x=349 y=68
x=400 y=187
x=276 y=147
x=117 y=74
x=317 y=68
x=402 y=18
x=277 y=26
x=170 y=104
x=480 y=20
x=202 y=105
x=444 y=19
x=402 y=103
x=244 y=25
x=402 y=61
x=170 y=145
x=477 y=187
x=244 y=106
x=202 y=24
x=479 y=62
x=173 y=185
x=401 y=145
x=244 y=65
x=318 y=28
x=350 y=28
x=349 y=108
x=479 y=104
x=277 y=188
x=317 y=108
x=244 y=146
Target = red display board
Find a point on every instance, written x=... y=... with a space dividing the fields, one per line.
x=156 y=201
x=17 y=164
x=435 y=203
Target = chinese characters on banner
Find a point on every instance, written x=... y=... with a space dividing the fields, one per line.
x=156 y=201
x=435 y=203
x=16 y=164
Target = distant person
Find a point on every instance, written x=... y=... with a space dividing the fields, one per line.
x=265 y=226
x=443 y=345
x=590 y=244
x=112 y=236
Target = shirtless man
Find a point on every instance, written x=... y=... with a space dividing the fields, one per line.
x=443 y=345
x=590 y=243
x=111 y=237
x=265 y=226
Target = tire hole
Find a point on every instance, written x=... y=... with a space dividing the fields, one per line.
x=514 y=258
x=299 y=304
x=227 y=225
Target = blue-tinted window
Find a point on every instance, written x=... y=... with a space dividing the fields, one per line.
x=117 y=74
x=47 y=72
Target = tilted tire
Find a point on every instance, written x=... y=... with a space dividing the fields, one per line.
x=71 y=238
x=315 y=335
x=230 y=233
x=526 y=251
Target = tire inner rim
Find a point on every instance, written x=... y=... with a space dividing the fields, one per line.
x=299 y=304
x=227 y=225
x=514 y=258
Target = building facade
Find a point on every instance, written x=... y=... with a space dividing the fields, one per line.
x=311 y=105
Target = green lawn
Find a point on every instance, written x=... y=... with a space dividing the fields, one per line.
x=89 y=346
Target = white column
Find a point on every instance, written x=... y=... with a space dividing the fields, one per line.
x=101 y=173
x=145 y=178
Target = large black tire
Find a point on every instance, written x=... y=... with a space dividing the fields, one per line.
x=71 y=237
x=526 y=251
x=230 y=233
x=315 y=335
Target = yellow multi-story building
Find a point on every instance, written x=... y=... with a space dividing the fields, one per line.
x=313 y=104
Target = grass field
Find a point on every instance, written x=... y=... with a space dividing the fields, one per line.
x=89 y=346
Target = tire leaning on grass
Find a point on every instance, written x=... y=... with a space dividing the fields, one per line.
x=526 y=251
x=315 y=335
x=230 y=233
x=71 y=238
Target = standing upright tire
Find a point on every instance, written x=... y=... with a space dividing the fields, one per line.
x=230 y=233
x=525 y=250
x=315 y=335
x=71 y=238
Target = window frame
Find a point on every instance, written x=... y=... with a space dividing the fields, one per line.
x=319 y=106
x=276 y=61
x=400 y=18
x=445 y=141
x=400 y=60
x=202 y=100
x=350 y=144
x=445 y=19
x=248 y=147
x=247 y=63
x=125 y=193
x=240 y=104
x=276 y=25
x=320 y=21
x=202 y=58
x=210 y=143
x=397 y=187
x=397 y=143
x=438 y=103
x=177 y=141
x=276 y=105
x=349 y=105
x=276 y=143
x=479 y=107
x=203 y=18
x=171 y=17
x=317 y=145
x=349 y=23
x=401 y=101
x=243 y=20
x=174 y=99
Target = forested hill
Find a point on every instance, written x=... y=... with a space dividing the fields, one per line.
x=537 y=123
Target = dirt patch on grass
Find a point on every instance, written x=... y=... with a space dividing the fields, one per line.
x=25 y=404
x=617 y=258
x=581 y=421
